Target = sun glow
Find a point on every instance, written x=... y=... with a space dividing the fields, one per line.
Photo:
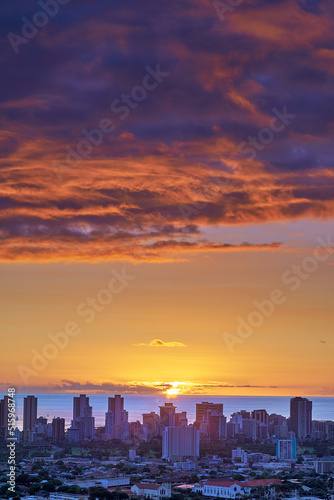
x=174 y=390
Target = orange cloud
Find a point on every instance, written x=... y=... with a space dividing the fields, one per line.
x=160 y=343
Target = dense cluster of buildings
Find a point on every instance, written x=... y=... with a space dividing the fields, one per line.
x=180 y=440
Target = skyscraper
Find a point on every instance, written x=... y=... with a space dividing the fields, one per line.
x=116 y=405
x=58 y=430
x=167 y=415
x=202 y=410
x=179 y=443
x=109 y=426
x=301 y=417
x=83 y=417
x=262 y=418
x=79 y=404
x=181 y=418
x=151 y=423
x=204 y=421
x=4 y=417
x=29 y=413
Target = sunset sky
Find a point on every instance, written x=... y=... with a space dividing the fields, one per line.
x=185 y=155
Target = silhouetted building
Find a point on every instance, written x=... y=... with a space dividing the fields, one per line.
x=151 y=424
x=181 y=418
x=29 y=413
x=116 y=405
x=4 y=417
x=83 y=417
x=58 y=430
x=202 y=410
x=109 y=425
x=167 y=415
x=217 y=427
x=301 y=417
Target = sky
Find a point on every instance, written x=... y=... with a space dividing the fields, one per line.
x=166 y=204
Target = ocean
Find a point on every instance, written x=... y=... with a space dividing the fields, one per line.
x=61 y=405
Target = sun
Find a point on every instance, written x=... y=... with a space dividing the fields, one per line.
x=174 y=390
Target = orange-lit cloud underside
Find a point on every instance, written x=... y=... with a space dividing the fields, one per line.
x=173 y=166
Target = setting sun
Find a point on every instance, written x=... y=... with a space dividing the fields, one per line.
x=174 y=390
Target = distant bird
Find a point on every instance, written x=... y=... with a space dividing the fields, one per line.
x=323 y=341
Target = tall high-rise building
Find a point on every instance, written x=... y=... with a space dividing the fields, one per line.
x=109 y=426
x=58 y=430
x=217 y=427
x=261 y=416
x=301 y=417
x=181 y=418
x=83 y=417
x=205 y=422
x=249 y=428
x=79 y=405
x=116 y=405
x=124 y=426
x=151 y=423
x=4 y=417
x=167 y=415
x=202 y=410
x=29 y=413
x=135 y=430
x=179 y=443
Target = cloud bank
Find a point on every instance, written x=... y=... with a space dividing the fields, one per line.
x=173 y=166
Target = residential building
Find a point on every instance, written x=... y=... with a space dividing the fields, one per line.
x=29 y=416
x=286 y=449
x=167 y=415
x=83 y=417
x=301 y=417
x=58 y=430
x=239 y=456
x=116 y=405
x=151 y=424
x=4 y=417
x=180 y=443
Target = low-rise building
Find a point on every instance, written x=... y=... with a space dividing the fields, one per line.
x=67 y=496
x=324 y=466
x=232 y=489
x=152 y=490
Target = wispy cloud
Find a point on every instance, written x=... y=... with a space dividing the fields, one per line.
x=160 y=343
x=137 y=387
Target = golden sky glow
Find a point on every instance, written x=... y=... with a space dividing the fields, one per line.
x=183 y=304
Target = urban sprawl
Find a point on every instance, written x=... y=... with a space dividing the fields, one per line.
x=253 y=455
